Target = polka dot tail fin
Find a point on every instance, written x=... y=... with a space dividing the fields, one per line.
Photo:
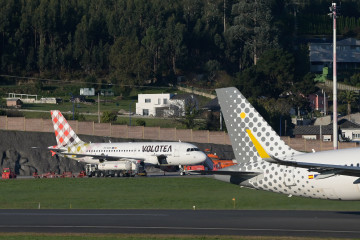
x=251 y=136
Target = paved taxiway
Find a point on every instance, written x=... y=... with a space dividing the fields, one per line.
x=204 y=222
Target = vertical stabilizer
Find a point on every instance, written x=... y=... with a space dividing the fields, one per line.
x=65 y=136
x=251 y=136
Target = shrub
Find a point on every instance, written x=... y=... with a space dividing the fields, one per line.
x=140 y=122
x=108 y=117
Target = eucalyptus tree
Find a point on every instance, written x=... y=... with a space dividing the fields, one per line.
x=252 y=30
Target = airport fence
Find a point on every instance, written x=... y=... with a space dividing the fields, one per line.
x=153 y=133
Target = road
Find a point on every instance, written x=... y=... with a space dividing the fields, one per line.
x=203 y=222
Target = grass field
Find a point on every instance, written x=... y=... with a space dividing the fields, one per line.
x=150 y=193
x=147 y=193
x=123 y=120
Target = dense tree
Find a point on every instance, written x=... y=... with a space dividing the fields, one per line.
x=133 y=41
x=272 y=76
x=349 y=97
x=129 y=62
x=252 y=28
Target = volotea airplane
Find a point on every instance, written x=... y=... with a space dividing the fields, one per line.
x=165 y=155
x=267 y=163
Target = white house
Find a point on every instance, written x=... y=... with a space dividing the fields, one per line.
x=164 y=104
x=87 y=91
x=148 y=103
x=349 y=130
x=178 y=104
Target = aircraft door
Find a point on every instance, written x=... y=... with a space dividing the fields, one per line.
x=176 y=152
x=289 y=177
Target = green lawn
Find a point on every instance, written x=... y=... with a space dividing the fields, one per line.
x=84 y=107
x=150 y=193
x=123 y=120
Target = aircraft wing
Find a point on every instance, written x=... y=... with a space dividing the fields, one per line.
x=324 y=170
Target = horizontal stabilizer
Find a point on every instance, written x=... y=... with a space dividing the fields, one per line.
x=325 y=170
x=232 y=173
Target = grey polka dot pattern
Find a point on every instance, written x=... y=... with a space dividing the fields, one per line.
x=241 y=117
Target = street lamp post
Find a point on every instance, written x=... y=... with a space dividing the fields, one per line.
x=335 y=124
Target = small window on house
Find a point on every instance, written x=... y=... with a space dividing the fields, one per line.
x=164 y=101
x=146 y=112
x=147 y=100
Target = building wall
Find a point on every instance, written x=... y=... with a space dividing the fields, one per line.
x=352 y=134
x=347 y=53
x=87 y=91
x=317 y=102
x=310 y=137
x=150 y=102
x=13 y=102
x=181 y=104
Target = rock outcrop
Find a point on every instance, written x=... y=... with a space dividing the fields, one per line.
x=17 y=152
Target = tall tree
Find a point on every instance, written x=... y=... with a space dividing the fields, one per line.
x=153 y=42
x=349 y=97
x=128 y=62
x=252 y=29
x=173 y=41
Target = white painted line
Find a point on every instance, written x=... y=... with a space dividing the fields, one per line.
x=184 y=228
x=83 y=214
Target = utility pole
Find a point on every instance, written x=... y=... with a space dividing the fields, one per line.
x=324 y=102
x=98 y=107
x=335 y=124
x=224 y=16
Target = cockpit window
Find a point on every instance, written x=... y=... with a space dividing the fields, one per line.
x=192 y=149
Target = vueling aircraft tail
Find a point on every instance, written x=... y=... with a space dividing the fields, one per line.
x=65 y=136
x=251 y=136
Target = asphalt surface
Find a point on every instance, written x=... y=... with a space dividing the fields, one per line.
x=198 y=222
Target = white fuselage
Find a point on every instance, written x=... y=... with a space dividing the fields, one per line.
x=298 y=181
x=153 y=153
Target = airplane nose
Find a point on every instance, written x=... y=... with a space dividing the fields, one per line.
x=203 y=156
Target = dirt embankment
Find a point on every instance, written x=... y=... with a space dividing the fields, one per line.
x=17 y=153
